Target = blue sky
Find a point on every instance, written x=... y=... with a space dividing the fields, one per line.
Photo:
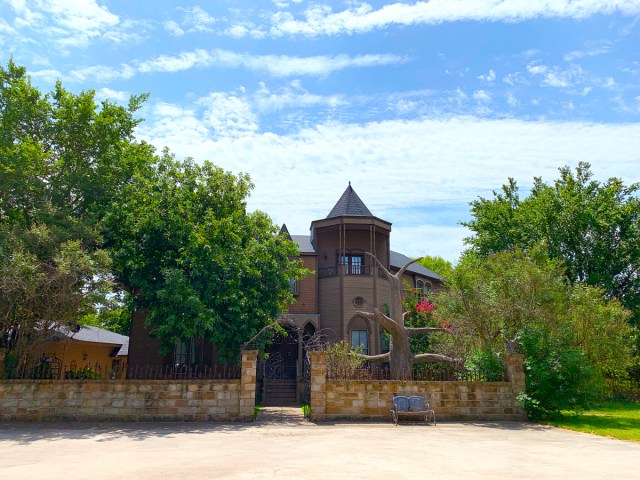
x=423 y=106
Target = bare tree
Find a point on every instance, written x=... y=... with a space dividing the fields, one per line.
x=399 y=356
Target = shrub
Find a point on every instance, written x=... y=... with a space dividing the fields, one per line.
x=558 y=375
x=343 y=359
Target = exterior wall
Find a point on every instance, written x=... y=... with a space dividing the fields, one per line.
x=307 y=294
x=131 y=400
x=143 y=348
x=81 y=354
x=329 y=296
x=371 y=399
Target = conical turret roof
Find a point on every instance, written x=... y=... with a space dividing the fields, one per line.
x=349 y=205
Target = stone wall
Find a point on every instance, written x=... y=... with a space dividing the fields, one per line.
x=131 y=400
x=371 y=399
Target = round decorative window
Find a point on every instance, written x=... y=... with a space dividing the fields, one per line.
x=358 y=302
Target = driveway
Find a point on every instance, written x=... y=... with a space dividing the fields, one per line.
x=290 y=449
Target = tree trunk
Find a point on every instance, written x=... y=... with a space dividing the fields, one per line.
x=400 y=356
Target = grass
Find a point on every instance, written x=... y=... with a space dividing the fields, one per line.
x=256 y=411
x=619 y=420
x=306 y=410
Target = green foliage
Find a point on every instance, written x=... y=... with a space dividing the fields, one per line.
x=593 y=227
x=85 y=373
x=62 y=159
x=487 y=363
x=342 y=359
x=572 y=336
x=439 y=265
x=194 y=259
x=558 y=374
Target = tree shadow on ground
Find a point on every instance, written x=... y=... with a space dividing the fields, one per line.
x=26 y=433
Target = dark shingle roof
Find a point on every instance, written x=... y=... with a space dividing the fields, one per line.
x=399 y=260
x=350 y=205
x=304 y=243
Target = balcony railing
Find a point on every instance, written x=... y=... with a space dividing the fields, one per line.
x=344 y=270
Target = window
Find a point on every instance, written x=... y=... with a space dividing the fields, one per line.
x=185 y=352
x=423 y=287
x=360 y=338
x=354 y=264
x=293 y=286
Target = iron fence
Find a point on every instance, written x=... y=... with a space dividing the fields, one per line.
x=56 y=371
x=421 y=372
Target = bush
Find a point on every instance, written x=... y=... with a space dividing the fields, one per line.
x=558 y=376
x=487 y=364
x=343 y=360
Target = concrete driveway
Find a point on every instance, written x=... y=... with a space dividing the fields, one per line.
x=300 y=450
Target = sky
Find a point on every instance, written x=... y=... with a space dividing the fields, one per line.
x=423 y=106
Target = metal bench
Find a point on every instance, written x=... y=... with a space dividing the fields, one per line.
x=413 y=406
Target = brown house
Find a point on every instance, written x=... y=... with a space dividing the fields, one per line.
x=345 y=281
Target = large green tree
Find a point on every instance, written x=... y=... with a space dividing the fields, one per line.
x=571 y=335
x=62 y=159
x=592 y=226
x=194 y=260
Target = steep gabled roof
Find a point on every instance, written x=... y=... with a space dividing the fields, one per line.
x=350 y=205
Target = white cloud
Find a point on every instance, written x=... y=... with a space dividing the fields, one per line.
x=173 y=28
x=489 y=77
x=512 y=101
x=70 y=23
x=482 y=96
x=577 y=54
x=277 y=66
x=228 y=115
x=557 y=77
x=101 y=73
x=362 y=17
x=198 y=19
x=299 y=176
x=113 y=95
x=294 y=95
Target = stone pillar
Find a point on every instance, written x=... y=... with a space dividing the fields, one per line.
x=318 y=385
x=514 y=363
x=248 y=384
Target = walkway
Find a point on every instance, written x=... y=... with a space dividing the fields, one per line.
x=265 y=450
x=281 y=415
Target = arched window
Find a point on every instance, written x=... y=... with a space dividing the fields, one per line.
x=359 y=333
x=423 y=287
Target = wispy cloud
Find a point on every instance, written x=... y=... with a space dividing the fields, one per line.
x=321 y=20
x=592 y=52
x=273 y=65
x=294 y=95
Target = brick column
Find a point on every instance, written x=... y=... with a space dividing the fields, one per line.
x=248 y=384
x=514 y=363
x=318 y=385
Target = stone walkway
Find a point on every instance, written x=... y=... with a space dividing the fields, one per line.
x=281 y=415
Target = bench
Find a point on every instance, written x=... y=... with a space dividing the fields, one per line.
x=411 y=407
